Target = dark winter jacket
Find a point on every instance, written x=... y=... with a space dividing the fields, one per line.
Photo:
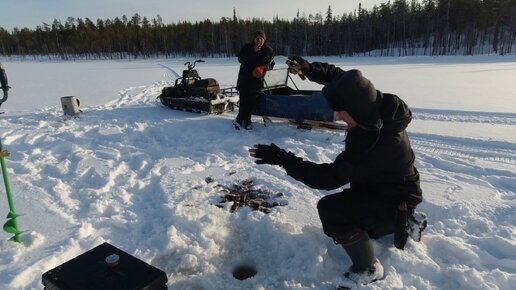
x=249 y=60
x=379 y=164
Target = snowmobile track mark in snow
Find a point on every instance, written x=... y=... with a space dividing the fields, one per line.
x=464 y=116
x=465 y=148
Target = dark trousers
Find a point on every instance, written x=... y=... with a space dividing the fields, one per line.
x=248 y=101
x=343 y=212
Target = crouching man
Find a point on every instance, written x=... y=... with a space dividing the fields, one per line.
x=378 y=164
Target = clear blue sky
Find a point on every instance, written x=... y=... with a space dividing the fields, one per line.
x=30 y=13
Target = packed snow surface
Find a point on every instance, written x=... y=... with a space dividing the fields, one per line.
x=145 y=178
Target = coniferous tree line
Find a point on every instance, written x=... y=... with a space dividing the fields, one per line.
x=401 y=28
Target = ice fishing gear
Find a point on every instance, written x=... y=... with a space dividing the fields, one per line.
x=70 y=105
x=105 y=267
x=4 y=84
x=11 y=226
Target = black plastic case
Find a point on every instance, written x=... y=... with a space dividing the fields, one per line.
x=90 y=271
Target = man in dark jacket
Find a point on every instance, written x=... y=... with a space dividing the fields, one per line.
x=378 y=164
x=255 y=58
x=3 y=82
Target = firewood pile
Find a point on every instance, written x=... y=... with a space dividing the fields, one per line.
x=243 y=193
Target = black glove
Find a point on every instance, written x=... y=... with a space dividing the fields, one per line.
x=294 y=59
x=268 y=154
x=297 y=60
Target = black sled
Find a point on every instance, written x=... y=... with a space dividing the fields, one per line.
x=303 y=108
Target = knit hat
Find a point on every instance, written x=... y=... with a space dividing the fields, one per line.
x=353 y=93
x=259 y=33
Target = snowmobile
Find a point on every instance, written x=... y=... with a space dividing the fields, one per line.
x=193 y=93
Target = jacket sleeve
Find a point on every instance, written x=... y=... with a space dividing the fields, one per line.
x=270 y=58
x=325 y=176
x=244 y=54
x=322 y=73
x=265 y=56
x=248 y=56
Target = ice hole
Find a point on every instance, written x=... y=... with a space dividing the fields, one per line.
x=243 y=272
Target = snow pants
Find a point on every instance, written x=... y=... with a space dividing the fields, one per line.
x=248 y=101
x=343 y=212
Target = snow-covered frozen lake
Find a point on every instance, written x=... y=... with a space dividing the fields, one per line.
x=132 y=172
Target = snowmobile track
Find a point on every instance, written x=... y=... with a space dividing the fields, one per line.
x=464 y=116
x=465 y=148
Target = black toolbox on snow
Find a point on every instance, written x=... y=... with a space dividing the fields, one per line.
x=93 y=270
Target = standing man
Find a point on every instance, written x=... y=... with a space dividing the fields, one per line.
x=255 y=58
x=378 y=164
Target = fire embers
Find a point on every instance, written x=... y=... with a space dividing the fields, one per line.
x=243 y=194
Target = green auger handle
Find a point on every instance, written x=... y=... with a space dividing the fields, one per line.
x=11 y=226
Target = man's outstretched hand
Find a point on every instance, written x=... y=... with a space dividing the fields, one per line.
x=296 y=59
x=268 y=154
x=297 y=64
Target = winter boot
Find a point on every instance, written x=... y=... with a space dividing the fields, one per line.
x=238 y=124
x=408 y=225
x=242 y=125
x=248 y=126
x=366 y=268
x=352 y=279
x=416 y=224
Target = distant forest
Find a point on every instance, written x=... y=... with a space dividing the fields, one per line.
x=397 y=28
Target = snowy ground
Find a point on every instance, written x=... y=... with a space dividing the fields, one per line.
x=132 y=172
